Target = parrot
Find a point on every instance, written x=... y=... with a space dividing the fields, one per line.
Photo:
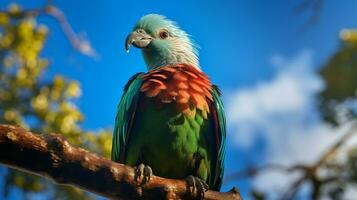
x=170 y=120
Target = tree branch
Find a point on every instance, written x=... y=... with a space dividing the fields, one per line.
x=309 y=172
x=51 y=156
x=77 y=42
x=336 y=146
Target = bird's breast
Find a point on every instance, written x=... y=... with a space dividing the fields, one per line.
x=183 y=85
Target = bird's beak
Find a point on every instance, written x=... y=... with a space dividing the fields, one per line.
x=139 y=38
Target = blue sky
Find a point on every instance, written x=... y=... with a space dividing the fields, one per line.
x=249 y=48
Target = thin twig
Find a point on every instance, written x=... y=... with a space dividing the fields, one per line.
x=81 y=45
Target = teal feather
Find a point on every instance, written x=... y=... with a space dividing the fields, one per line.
x=126 y=108
x=221 y=135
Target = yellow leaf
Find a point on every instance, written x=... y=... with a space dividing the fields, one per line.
x=73 y=89
x=349 y=35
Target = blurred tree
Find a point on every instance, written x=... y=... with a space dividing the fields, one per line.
x=338 y=105
x=332 y=174
x=338 y=99
x=31 y=99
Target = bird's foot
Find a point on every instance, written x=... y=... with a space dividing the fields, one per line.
x=142 y=173
x=196 y=187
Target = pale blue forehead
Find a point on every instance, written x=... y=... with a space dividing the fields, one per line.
x=154 y=22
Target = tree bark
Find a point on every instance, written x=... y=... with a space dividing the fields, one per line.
x=51 y=156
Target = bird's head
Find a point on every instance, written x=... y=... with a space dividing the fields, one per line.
x=162 y=42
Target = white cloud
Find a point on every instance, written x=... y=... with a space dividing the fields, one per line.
x=290 y=93
x=282 y=113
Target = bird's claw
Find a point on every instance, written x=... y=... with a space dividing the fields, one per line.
x=142 y=173
x=196 y=186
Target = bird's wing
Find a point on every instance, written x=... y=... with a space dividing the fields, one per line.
x=220 y=136
x=125 y=115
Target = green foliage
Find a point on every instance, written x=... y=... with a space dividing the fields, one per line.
x=341 y=83
x=338 y=104
x=31 y=99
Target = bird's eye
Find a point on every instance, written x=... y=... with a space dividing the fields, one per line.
x=163 y=34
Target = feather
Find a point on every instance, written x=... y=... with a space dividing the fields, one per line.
x=195 y=87
x=180 y=76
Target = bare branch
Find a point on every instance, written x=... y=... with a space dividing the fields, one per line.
x=290 y=194
x=51 y=156
x=309 y=172
x=78 y=43
x=334 y=148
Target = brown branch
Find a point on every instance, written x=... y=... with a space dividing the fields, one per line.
x=51 y=156
x=334 y=148
x=309 y=172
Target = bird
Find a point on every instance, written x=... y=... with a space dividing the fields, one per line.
x=170 y=120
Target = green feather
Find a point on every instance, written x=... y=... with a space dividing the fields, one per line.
x=125 y=109
x=218 y=106
x=169 y=142
x=173 y=144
